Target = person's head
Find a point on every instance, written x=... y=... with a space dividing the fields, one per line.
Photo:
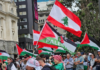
x=98 y=52
x=9 y=60
x=43 y=57
x=26 y=57
x=32 y=64
x=57 y=59
x=92 y=56
x=68 y=56
x=41 y=62
x=78 y=54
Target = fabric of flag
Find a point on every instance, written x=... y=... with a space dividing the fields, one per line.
x=4 y=55
x=89 y=42
x=50 y=37
x=62 y=17
x=48 y=49
x=23 y=52
x=60 y=50
x=36 y=35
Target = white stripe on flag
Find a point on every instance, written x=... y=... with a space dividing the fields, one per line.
x=58 y=15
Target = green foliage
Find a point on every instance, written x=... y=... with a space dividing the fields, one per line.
x=88 y=13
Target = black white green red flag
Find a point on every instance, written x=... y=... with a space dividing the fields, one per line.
x=4 y=55
x=89 y=42
x=50 y=37
x=62 y=17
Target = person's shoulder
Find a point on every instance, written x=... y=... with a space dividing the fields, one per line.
x=46 y=67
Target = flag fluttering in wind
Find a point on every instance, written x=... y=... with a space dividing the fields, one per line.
x=62 y=17
x=50 y=37
x=89 y=41
x=4 y=55
x=23 y=52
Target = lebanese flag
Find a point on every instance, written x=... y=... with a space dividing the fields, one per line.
x=89 y=41
x=4 y=55
x=62 y=17
x=36 y=35
x=23 y=52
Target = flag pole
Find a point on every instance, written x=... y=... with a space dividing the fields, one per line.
x=40 y=34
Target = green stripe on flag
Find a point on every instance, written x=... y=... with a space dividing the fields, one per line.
x=3 y=57
x=45 y=49
x=81 y=45
x=24 y=53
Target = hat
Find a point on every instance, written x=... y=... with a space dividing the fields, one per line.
x=33 y=63
x=57 y=57
x=98 y=50
x=90 y=53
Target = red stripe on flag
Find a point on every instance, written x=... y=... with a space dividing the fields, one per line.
x=70 y=14
x=37 y=32
x=56 y=23
x=47 y=45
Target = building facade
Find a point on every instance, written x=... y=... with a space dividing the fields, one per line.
x=44 y=9
x=8 y=27
x=26 y=23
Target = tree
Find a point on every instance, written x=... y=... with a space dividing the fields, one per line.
x=88 y=13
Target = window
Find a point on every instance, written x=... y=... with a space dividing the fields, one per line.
x=23 y=19
x=22 y=6
x=0 y=6
x=22 y=13
x=41 y=27
x=21 y=0
x=12 y=11
x=23 y=27
x=15 y=0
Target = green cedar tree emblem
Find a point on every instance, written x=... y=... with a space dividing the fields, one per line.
x=65 y=19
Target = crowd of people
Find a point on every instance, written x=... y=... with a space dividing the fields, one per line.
x=80 y=61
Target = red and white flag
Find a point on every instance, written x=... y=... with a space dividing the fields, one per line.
x=62 y=17
x=36 y=35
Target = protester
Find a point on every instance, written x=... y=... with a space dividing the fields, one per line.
x=69 y=62
x=79 y=62
x=10 y=65
x=22 y=64
x=74 y=66
x=32 y=64
x=98 y=61
x=86 y=64
x=3 y=65
x=58 y=62
x=89 y=57
x=92 y=62
x=43 y=64
x=26 y=57
x=18 y=63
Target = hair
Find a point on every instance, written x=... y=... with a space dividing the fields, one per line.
x=40 y=59
x=10 y=58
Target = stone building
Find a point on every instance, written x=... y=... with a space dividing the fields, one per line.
x=44 y=9
x=8 y=26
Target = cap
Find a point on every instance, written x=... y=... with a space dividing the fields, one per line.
x=90 y=53
x=33 y=63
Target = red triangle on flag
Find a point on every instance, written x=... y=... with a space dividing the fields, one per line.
x=46 y=32
x=86 y=39
x=0 y=53
x=19 y=49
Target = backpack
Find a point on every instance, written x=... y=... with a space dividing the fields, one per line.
x=51 y=67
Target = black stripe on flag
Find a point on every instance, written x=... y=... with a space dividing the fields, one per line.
x=64 y=38
x=2 y=51
x=94 y=40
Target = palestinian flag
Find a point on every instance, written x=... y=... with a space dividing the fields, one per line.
x=48 y=49
x=23 y=52
x=50 y=37
x=4 y=55
x=36 y=35
x=60 y=16
x=60 y=50
x=89 y=41
x=40 y=52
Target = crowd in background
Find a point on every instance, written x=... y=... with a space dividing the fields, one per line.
x=80 y=61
